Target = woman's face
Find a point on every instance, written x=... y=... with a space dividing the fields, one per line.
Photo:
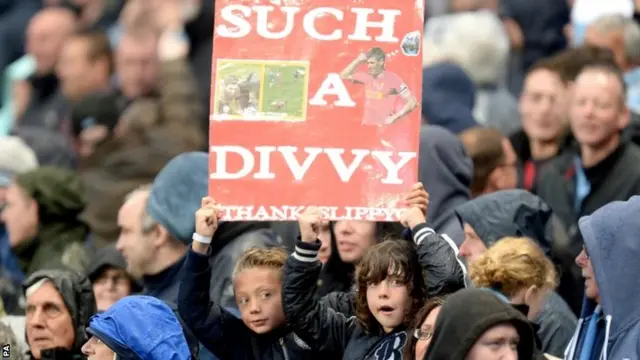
x=325 y=238
x=500 y=342
x=425 y=333
x=353 y=238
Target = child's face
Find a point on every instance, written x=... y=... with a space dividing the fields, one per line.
x=257 y=294
x=389 y=301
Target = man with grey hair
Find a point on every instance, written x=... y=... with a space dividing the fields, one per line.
x=157 y=225
x=477 y=42
x=621 y=35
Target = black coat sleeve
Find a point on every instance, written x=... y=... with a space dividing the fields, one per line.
x=438 y=257
x=217 y=329
x=313 y=321
x=341 y=302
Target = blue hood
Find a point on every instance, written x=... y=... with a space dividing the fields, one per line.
x=141 y=327
x=611 y=237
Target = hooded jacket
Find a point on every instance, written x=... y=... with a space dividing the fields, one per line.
x=466 y=315
x=77 y=294
x=109 y=257
x=520 y=213
x=141 y=328
x=61 y=236
x=446 y=172
x=611 y=240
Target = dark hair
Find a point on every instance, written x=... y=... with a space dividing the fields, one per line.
x=484 y=147
x=98 y=46
x=376 y=53
x=392 y=257
x=570 y=63
x=420 y=317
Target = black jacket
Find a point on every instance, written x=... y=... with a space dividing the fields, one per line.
x=77 y=293
x=321 y=327
x=220 y=331
x=438 y=258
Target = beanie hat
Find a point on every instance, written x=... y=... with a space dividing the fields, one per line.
x=177 y=192
x=16 y=157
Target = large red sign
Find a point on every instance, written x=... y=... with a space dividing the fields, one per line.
x=315 y=103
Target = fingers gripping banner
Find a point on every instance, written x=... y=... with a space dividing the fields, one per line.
x=314 y=103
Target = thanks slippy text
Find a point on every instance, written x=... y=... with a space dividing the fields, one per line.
x=287 y=212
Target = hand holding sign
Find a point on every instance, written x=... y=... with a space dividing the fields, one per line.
x=207 y=217
x=310 y=222
x=418 y=197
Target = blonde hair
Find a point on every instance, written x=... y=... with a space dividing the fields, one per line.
x=272 y=258
x=512 y=264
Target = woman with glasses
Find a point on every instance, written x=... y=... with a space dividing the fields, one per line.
x=422 y=329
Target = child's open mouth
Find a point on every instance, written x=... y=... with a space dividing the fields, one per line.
x=385 y=310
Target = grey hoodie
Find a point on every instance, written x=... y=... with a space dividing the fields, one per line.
x=611 y=238
x=446 y=171
x=520 y=213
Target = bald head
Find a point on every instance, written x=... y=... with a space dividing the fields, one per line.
x=46 y=33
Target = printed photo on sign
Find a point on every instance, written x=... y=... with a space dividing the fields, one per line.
x=315 y=104
x=387 y=97
x=260 y=90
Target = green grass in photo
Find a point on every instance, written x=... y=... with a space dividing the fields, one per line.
x=284 y=89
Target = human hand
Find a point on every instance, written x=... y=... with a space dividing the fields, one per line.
x=411 y=217
x=310 y=222
x=207 y=217
x=418 y=197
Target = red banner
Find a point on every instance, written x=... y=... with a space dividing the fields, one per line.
x=315 y=103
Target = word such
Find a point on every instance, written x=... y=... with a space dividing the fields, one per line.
x=236 y=24
x=256 y=162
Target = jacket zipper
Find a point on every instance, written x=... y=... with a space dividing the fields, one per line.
x=284 y=349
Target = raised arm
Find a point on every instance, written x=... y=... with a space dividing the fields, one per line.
x=314 y=322
x=438 y=254
x=347 y=73
x=218 y=330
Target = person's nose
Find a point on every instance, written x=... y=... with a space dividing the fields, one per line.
x=87 y=349
x=510 y=354
x=36 y=319
x=581 y=259
x=383 y=290
x=254 y=307
x=346 y=227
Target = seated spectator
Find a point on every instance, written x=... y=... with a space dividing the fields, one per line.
x=257 y=284
x=137 y=63
x=494 y=160
x=390 y=290
x=136 y=327
x=605 y=167
x=59 y=306
x=448 y=97
x=544 y=117
x=109 y=277
x=518 y=213
x=446 y=172
x=41 y=216
x=477 y=42
x=517 y=269
x=15 y=158
x=474 y=324
x=621 y=35
x=37 y=100
x=421 y=330
x=609 y=327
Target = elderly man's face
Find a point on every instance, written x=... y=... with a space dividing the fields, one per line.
x=48 y=321
x=20 y=215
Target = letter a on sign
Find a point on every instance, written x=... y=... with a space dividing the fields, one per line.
x=315 y=104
